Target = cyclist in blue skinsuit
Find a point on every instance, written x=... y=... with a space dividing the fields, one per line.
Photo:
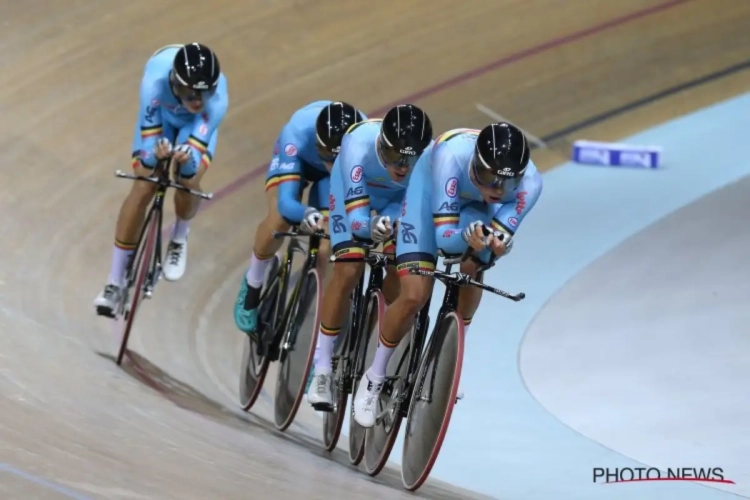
x=466 y=182
x=183 y=100
x=304 y=153
x=371 y=174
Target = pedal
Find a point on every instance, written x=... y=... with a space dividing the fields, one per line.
x=324 y=407
x=105 y=311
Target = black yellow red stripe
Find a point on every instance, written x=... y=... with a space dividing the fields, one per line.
x=443 y=219
x=328 y=331
x=404 y=268
x=499 y=226
x=125 y=246
x=387 y=343
x=324 y=213
x=151 y=131
x=389 y=247
x=201 y=146
x=355 y=203
x=350 y=253
x=135 y=160
x=281 y=179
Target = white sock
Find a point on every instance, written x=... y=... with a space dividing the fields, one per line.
x=181 y=230
x=120 y=258
x=324 y=350
x=257 y=271
x=380 y=363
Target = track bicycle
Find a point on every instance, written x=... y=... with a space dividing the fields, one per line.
x=287 y=329
x=422 y=383
x=350 y=357
x=145 y=265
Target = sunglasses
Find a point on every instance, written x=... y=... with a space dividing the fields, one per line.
x=188 y=94
x=490 y=179
x=392 y=157
x=326 y=154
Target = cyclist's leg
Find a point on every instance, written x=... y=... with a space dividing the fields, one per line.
x=470 y=296
x=415 y=248
x=129 y=223
x=186 y=205
x=265 y=247
x=337 y=294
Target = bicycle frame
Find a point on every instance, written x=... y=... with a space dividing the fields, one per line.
x=376 y=263
x=273 y=341
x=163 y=181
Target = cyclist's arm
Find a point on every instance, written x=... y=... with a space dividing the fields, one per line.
x=149 y=119
x=288 y=175
x=206 y=123
x=508 y=216
x=356 y=197
x=446 y=206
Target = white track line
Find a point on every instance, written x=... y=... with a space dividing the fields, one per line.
x=499 y=118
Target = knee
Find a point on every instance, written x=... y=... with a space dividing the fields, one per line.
x=142 y=192
x=346 y=274
x=414 y=294
x=276 y=222
x=470 y=267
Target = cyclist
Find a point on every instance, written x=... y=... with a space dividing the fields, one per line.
x=183 y=100
x=304 y=153
x=371 y=174
x=468 y=183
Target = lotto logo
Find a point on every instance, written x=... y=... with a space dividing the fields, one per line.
x=451 y=187
x=290 y=150
x=357 y=173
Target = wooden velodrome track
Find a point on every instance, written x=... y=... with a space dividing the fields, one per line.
x=70 y=418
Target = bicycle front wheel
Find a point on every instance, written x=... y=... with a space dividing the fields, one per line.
x=297 y=350
x=432 y=401
x=143 y=258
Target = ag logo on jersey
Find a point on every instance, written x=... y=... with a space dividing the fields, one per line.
x=290 y=150
x=451 y=187
x=513 y=221
x=357 y=173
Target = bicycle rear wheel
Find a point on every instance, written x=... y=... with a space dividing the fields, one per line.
x=142 y=260
x=255 y=361
x=432 y=400
x=365 y=355
x=297 y=357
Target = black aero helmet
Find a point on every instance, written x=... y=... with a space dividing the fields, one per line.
x=196 y=67
x=501 y=155
x=405 y=133
x=332 y=123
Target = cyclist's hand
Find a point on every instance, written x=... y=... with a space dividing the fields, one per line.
x=312 y=221
x=380 y=228
x=162 y=149
x=500 y=243
x=181 y=154
x=474 y=235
